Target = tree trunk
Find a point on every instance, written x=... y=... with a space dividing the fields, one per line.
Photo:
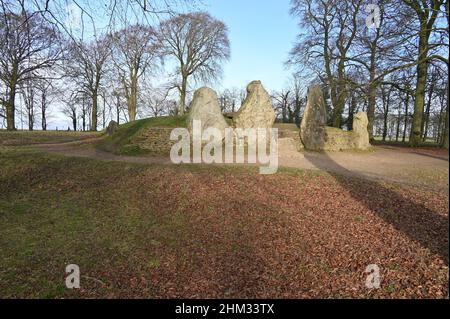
x=340 y=97
x=426 y=118
x=11 y=109
x=351 y=112
x=386 y=102
x=118 y=109
x=31 y=117
x=94 y=110
x=44 y=111
x=104 y=113
x=419 y=101
x=74 y=120
x=132 y=100
x=406 y=118
x=371 y=108
x=182 y=105
x=397 y=131
x=446 y=129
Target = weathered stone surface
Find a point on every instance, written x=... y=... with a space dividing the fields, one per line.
x=205 y=107
x=312 y=128
x=338 y=140
x=315 y=135
x=154 y=140
x=112 y=128
x=360 y=123
x=257 y=110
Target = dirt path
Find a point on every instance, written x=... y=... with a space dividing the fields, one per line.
x=422 y=167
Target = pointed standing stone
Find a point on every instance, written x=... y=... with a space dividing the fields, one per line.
x=360 y=123
x=257 y=110
x=313 y=126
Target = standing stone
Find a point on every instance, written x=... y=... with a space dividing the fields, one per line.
x=257 y=110
x=313 y=127
x=205 y=108
x=112 y=128
x=360 y=123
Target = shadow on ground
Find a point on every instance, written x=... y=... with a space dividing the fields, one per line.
x=419 y=223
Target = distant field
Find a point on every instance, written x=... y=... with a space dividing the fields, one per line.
x=16 y=138
x=379 y=141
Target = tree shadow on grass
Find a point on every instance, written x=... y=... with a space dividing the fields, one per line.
x=421 y=224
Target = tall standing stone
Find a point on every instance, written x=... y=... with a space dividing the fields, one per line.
x=205 y=108
x=313 y=127
x=360 y=123
x=257 y=110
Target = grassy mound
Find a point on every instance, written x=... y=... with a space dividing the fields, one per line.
x=122 y=141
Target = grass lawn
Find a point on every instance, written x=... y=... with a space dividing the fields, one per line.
x=208 y=231
x=15 y=138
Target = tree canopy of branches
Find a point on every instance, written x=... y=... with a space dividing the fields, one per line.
x=346 y=54
x=28 y=47
x=136 y=50
x=199 y=43
x=86 y=65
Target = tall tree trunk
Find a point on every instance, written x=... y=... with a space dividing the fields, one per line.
x=426 y=118
x=419 y=101
x=94 y=110
x=386 y=102
x=397 y=131
x=406 y=118
x=31 y=117
x=118 y=108
x=182 y=105
x=11 y=108
x=132 y=100
x=446 y=129
x=351 y=112
x=44 y=111
x=74 y=120
x=371 y=104
x=104 y=112
x=340 y=96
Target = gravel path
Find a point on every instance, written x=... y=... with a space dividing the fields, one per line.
x=425 y=167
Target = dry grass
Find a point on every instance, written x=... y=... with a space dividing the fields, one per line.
x=199 y=232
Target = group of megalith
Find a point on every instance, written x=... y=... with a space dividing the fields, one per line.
x=257 y=112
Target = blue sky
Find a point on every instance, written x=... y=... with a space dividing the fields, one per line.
x=261 y=35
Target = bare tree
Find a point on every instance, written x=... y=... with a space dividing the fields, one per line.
x=85 y=63
x=28 y=44
x=199 y=43
x=427 y=13
x=136 y=50
x=27 y=89
x=331 y=30
x=47 y=94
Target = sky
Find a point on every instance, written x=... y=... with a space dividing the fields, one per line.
x=261 y=34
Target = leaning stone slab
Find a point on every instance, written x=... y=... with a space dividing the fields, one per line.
x=313 y=127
